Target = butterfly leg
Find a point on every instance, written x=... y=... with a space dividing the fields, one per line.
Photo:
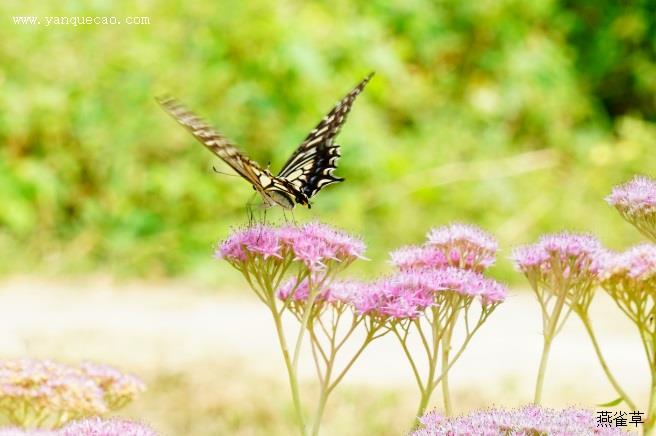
x=249 y=213
x=255 y=213
x=293 y=217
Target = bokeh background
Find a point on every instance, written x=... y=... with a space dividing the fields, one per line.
x=516 y=116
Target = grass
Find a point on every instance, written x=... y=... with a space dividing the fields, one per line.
x=219 y=398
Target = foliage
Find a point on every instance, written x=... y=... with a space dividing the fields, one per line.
x=517 y=116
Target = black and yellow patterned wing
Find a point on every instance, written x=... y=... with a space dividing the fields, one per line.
x=311 y=166
x=217 y=144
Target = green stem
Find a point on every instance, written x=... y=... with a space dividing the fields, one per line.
x=588 y=327
x=549 y=334
x=542 y=370
x=348 y=366
x=291 y=371
x=427 y=391
x=404 y=346
x=327 y=385
x=649 y=426
x=446 y=369
x=325 y=381
x=323 y=398
x=423 y=403
x=307 y=312
x=446 y=348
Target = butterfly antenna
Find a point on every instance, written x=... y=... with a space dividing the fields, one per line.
x=222 y=173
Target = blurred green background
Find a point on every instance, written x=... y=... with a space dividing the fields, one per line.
x=516 y=116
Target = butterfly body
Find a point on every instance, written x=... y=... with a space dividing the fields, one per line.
x=308 y=170
x=280 y=192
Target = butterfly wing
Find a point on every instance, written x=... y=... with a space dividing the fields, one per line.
x=217 y=144
x=311 y=166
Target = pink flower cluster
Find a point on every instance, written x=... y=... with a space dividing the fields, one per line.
x=118 y=388
x=47 y=388
x=88 y=427
x=635 y=264
x=635 y=198
x=106 y=427
x=571 y=256
x=313 y=244
x=451 y=260
x=459 y=245
x=528 y=420
x=408 y=293
x=403 y=295
x=335 y=292
x=418 y=257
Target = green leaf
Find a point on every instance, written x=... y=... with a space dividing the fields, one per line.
x=611 y=403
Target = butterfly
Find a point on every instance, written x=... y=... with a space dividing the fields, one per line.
x=308 y=170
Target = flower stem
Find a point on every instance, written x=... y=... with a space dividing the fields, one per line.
x=307 y=312
x=423 y=403
x=588 y=327
x=542 y=370
x=325 y=385
x=323 y=398
x=291 y=372
x=427 y=389
x=649 y=426
x=446 y=348
x=550 y=326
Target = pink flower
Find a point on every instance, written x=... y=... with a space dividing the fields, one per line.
x=407 y=294
x=527 y=420
x=457 y=245
x=313 y=244
x=418 y=257
x=46 y=388
x=572 y=257
x=119 y=388
x=404 y=295
x=318 y=243
x=470 y=283
x=88 y=427
x=106 y=427
x=464 y=245
x=636 y=202
x=336 y=292
x=49 y=388
x=637 y=263
x=258 y=240
x=636 y=198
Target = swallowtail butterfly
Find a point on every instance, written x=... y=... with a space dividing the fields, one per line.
x=308 y=170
